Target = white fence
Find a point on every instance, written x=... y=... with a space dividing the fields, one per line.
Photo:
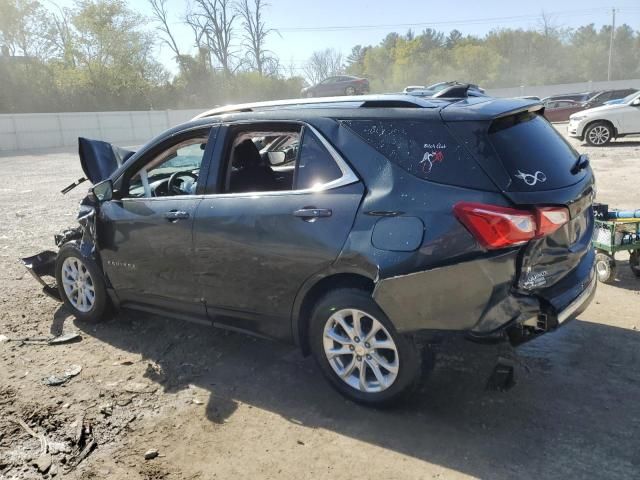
x=27 y=131
x=546 y=90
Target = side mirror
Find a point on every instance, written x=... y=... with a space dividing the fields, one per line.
x=103 y=191
x=276 y=158
x=636 y=102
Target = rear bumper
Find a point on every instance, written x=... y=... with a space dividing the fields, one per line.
x=477 y=298
x=44 y=265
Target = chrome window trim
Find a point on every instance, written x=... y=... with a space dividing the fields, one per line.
x=348 y=176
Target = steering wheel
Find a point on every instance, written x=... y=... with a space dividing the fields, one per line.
x=172 y=187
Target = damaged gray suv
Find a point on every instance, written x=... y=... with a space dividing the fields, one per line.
x=356 y=227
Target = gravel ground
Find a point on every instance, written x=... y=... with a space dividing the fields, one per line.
x=222 y=405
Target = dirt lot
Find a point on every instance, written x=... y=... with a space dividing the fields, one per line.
x=222 y=405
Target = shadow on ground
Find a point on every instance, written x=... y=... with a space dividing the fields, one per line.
x=574 y=412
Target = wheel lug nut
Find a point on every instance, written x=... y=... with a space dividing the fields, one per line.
x=367 y=345
x=356 y=339
x=351 y=347
x=368 y=357
x=359 y=358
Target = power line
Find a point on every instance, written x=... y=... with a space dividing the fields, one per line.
x=478 y=21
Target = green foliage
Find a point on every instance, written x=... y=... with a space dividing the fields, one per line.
x=503 y=58
x=100 y=55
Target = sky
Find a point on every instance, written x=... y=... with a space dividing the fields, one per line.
x=303 y=26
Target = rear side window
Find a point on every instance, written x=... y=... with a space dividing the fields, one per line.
x=315 y=165
x=533 y=152
x=425 y=149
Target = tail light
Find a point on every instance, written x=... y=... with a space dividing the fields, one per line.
x=550 y=219
x=499 y=227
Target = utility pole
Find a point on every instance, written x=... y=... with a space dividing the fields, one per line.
x=613 y=32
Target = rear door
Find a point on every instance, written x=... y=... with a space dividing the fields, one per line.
x=535 y=166
x=255 y=249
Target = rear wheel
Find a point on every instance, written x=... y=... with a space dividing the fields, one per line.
x=81 y=284
x=359 y=351
x=598 y=134
x=605 y=267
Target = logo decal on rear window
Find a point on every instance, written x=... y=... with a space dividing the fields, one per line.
x=532 y=179
x=430 y=158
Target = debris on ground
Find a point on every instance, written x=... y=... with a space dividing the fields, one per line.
x=55 y=380
x=151 y=454
x=54 y=340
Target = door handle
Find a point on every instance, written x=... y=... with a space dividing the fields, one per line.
x=312 y=213
x=175 y=215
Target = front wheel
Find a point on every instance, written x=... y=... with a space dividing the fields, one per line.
x=598 y=134
x=359 y=351
x=349 y=91
x=81 y=284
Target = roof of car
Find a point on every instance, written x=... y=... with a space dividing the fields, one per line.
x=367 y=106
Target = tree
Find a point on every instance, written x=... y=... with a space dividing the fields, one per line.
x=255 y=35
x=160 y=15
x=215 y=19
x=454 y=37
x=24 y=28
x=323 y=64
x=355 y=60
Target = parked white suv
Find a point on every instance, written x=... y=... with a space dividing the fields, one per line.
x=601 y=124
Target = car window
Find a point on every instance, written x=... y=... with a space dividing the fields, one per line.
x=629 y=97
x=261 y=159
x=536 y=156
x=173 y=172
x=425 y=149
x=316 y=166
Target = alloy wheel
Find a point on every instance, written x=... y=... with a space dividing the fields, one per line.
x=78 y=284
x=360 y=350
x=599 y=135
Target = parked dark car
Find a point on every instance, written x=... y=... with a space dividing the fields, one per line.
x=336 y=86
x=560 y=110
x=576 y=97
x=601 y=97
x=356 y=228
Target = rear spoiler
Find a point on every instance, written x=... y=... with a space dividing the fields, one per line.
x=487 y=108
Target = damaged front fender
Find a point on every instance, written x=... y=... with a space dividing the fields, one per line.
x=44 y=263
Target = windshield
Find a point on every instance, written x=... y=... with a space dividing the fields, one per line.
x=629 y=98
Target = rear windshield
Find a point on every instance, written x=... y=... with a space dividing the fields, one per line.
x=534 y=153
x=425 y=149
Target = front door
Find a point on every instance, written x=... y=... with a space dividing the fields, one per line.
x=257 y=243
x=146 y=240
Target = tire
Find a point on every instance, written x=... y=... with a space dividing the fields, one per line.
x=634 y=262
x=380 y=388
x=605 y=268
x=598 y=134
x=349 y=91
x=71 y=265
x=309 y=95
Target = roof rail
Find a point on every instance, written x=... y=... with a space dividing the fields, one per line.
x=359 y=101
